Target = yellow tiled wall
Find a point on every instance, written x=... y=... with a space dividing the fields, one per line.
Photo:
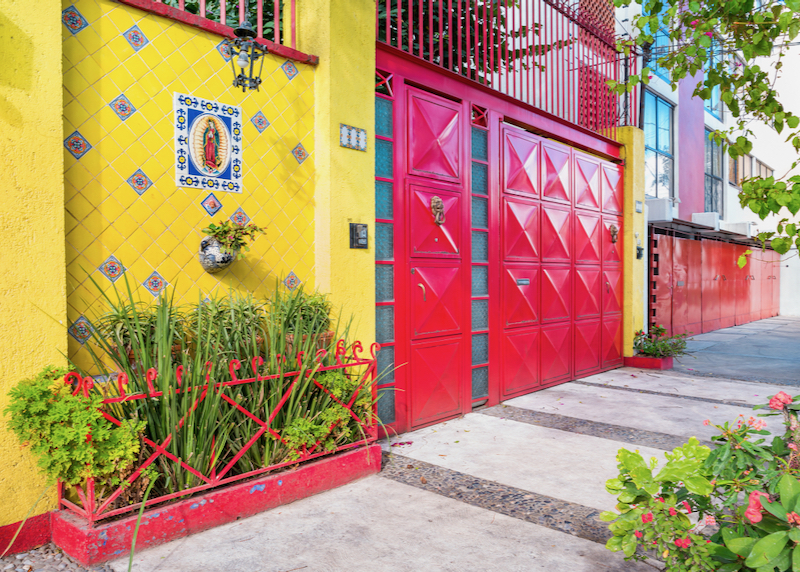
x=160 y=230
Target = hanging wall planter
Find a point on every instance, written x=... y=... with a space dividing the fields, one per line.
x=213 y=258
x=225 y=243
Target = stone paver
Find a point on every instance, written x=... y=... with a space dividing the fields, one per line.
x=47 y=558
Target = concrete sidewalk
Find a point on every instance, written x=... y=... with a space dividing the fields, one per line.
x=515 y=487
x=766 y=351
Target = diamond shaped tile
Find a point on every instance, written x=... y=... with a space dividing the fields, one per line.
x=292 y=281
x=81 y=329
x=139 y=182
x=260 y=121
x=211 y=204
x=122 y=106
x=77 y=145
x=224 y=50
x=240 y=217
x=73 y=20
x=112 y=268
x=300 y=153
x=136 y=38
x=290 y=69
x=155 y=284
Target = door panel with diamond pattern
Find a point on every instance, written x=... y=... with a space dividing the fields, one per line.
x=437 y=375
x=430 y=238
x=435 y=133
x=436 y=300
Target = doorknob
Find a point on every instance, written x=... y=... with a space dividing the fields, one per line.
x=423 y=291
x=608 y=286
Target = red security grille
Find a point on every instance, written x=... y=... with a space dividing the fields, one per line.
x=555 y=55
x=350 y=360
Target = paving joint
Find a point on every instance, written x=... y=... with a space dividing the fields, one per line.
x=564 y=516
x=735 y=402
x=628 y=435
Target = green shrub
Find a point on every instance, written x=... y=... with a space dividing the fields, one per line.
x=656 y=343
x=45 y=416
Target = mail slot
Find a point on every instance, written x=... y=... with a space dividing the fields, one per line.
x=681 y=283
x=523 y=282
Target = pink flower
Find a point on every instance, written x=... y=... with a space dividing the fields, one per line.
x=647 y=517
x=672 y=511
x=776 y=403
x=683 y=543
x=660 y=499
x=785 y=397
x=753 y=514
x=638 y=534
x=707 y=422
x=792 y=446
x=710 y=520
x=686 y=504
x=650 y=77
x=710 y=34
x=694 y=23
x=793 y=518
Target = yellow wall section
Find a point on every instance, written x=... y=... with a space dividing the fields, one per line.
x=634 y=223
x=161 y=229
x=342 y=34
x=32 y=283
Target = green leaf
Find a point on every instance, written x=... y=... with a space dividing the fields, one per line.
x=766 y=549
x=773 y=508
x=794 y=534
x=614 y=543
x=608 y=516
x=742 y=262
x=793 y=121
x=789 y=489
x=629 y=544
x=742 y=546
x=698 y=485
x=795 y=557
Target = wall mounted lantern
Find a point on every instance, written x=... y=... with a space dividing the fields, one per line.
x=245 y=51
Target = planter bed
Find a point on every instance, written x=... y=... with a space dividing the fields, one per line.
x=95 y=544
x=649 y=362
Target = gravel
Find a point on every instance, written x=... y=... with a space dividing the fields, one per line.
x=47 y=558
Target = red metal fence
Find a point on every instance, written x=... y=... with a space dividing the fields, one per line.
x=272 y=20
x=555 y=55
x=94 y=509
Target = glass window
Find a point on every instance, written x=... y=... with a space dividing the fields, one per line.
x=658 y=146
x=713 y=178
x=714 y=104
x=660 y=47
x=763 y=171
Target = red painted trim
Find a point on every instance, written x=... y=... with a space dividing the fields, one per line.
x=91 y=545
x=449 y=84
x=216 y=28
x=35 y=533
x=649 y=362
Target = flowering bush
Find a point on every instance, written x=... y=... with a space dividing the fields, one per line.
x=656 y=343
x=745 y=486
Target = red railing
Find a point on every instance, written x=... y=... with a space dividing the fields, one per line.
x=274 y=21
x=94 y=509
x=555 y=55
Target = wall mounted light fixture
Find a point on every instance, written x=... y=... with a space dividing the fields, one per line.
x=245 y=51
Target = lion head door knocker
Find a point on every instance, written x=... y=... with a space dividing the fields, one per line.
x=614 y=232
x=437 y=208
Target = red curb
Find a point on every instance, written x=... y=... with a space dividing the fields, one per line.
x=92 y=545
x=35 y=533
x=649 y=362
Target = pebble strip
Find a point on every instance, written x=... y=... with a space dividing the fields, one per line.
x=47 y=558
x=735 y=402
x=662 y=441
x=572 y=518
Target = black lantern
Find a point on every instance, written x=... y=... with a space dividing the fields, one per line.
x=244 y=52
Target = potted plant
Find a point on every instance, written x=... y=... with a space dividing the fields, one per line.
x=655 y=349
x=225 y=243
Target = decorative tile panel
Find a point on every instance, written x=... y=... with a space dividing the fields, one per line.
x=291 y=281
x=240 y=217
x=352 y=137
x=136 y=38
x=73 y=20
x=77 y=145
x=122 y=106
x=81 y=330
x=139 y=182
x=208 y=144
x=211 y=204
x=260 y=121
x=290 y=69
x=224 y=50
x=155 y=284
x=112 y=268
x=300 y=153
